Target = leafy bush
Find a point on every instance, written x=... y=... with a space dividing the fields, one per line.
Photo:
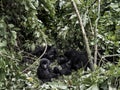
x=25 y=24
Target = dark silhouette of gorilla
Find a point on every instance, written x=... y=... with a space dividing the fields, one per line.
x=78 y=59
x=51 y=52
x=66 y=70
x=44 y=72
x=65 y=65
x=38 y=51
x=72 y=60
x=62 y=59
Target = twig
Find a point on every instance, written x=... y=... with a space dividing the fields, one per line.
x=104 y=56
x=92 y=4
x=110 y=55
x=84 y=35
x=39 y=57
x=91 y=27
x=95 y=33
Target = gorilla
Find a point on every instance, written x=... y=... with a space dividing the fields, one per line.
x=78 y=59
x=38 y=51
x=65 y=66
x=66 y=69
x=51 y=52
x=62 y=59
x=44 y=72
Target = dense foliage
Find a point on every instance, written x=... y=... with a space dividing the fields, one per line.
x=24 y=24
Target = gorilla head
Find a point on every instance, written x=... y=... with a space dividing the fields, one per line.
x=44 y=63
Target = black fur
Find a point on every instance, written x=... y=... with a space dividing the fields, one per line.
x=62 y=59
x=44 y=72
x=66 y=68
x=78 y=59
x=51 y=52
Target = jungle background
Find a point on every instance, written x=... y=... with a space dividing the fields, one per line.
x=24 y=24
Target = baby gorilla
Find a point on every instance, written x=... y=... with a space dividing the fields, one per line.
x=78 y=59
x=44 y=72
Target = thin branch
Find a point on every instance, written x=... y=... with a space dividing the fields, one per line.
x=96 y=32
x=84 y=36
x=39 y=57
x=91 y=27
x=105 y=56
x=92 y=4
x=110 y=55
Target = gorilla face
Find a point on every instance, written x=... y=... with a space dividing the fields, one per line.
x=44 y=64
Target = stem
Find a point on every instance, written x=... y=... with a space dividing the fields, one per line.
x=95 y=33
x=39 y=57
x=84 y=36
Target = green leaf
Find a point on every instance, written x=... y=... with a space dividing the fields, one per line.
x=3 y=43
x=93 y=87
x=2 y=63
x=31 y=5
x=11 y=25
x=14 y=34
x=114 y=5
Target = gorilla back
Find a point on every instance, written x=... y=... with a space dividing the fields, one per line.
x=78 y=59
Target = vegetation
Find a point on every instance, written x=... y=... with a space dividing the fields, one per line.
x=25 y=24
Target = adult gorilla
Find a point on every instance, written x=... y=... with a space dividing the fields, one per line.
x=78 y=59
